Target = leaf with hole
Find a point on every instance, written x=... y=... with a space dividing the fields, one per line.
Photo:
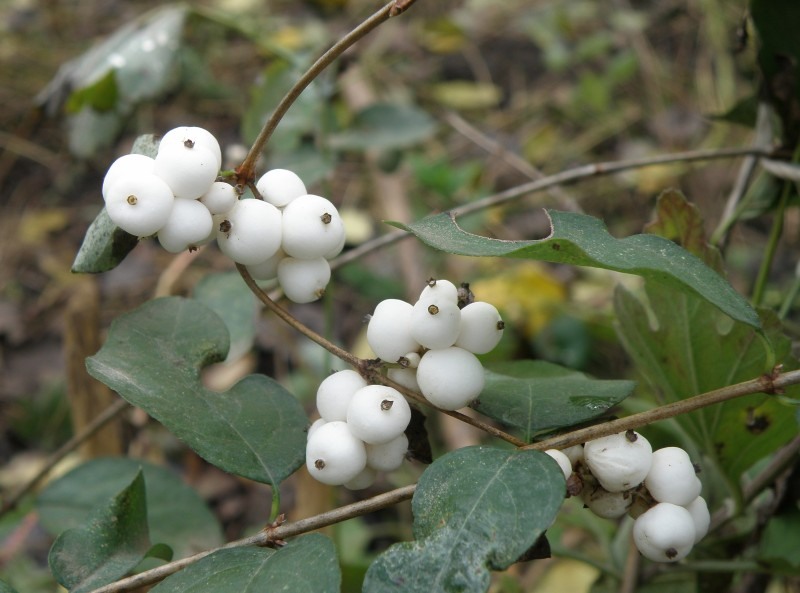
x=535 y=396
x=307 y=563
x=110 y=544
x=176 y=514
x=582 y=240
x=476 y=509
x=153 y=357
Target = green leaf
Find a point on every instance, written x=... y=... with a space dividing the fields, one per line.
x=105 y=245
x=385 y=126
x=684 y=347
x=142 y=56
x=100 y=96
x=6 y=588
x=307 y=564
x=176 y=514
x=229 y=297
x=153 y=357
x=781 y=541
x=111 y=543
x=583 y=240
x=476 y=509
x=536 y=396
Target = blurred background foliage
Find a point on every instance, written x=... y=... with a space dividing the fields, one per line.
x=453 y=101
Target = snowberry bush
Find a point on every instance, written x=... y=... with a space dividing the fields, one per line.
x=554 y=440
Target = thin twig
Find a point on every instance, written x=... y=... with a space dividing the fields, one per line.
x=246 y=171
x=763 y=384
x=267 y=536
x=563 y=177
x=76 y=441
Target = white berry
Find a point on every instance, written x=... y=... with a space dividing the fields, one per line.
x=127 y=166
x=574 y=453
x=139 y=205
x=481 y=328
x=314 y=426
x=189 y=170
x=304 y=280
x=185 y=135
x=387 y=457
x=333 y=455
x=280 y=186
x=438 y=290
x=619 y=461
x=405 y=377
x=377 y=414
x=364 y=479
x=267 y=269
x=220 y=197
x=250 y=232
x=450 y=378
x=389 y=330
x=435 y=324
x=672 y=477
x=189 y=225
x=312 y=227
x=562 y=461
x=698 y=509
x=335 y=392
x=605 y=504
x=665 y=533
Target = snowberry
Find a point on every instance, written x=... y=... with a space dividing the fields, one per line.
x=315 y=425
x=280 y=186
x=698 y=509
x=439 y=290
x=220 y=197
x=562 y=461
x=387 y=457
x=129 y=165
x=304 y=280
x=481 y=328
x=193 y=136
x=335 y=392
x=574 y=453
x=665 y=533
x=435 y=324
x=139 y=205
x=312 y=227
x=250 y=232
x=672 y=477
x=410 y=360
x=405 y=377
x=377 y=414
x=605 y=504
x=267 y=269
x=450 y=378
x=333 y=455
x=619 y=461
x=389 y=330
x=364 y=479
x=189 y=169
x=188 y=225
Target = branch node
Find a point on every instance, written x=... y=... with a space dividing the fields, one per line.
x=768 y=381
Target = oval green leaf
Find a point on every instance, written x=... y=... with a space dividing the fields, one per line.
x=176 y=514
x=535 y=396
x=307 y=563
x=385 y=126
x=112 y=542
x=476 y=509
x=227 y=295
x=153 y=357
x=582 y=240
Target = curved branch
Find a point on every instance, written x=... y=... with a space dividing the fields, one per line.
x=246 y=171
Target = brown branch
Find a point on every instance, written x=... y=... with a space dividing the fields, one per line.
x=246 y=171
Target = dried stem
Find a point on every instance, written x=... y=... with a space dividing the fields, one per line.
x=246 y=171
x=76 y=441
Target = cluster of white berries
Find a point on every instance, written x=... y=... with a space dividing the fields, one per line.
x=289 y=235
x=622 y=474
x=361 y=431
x=434 y=342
